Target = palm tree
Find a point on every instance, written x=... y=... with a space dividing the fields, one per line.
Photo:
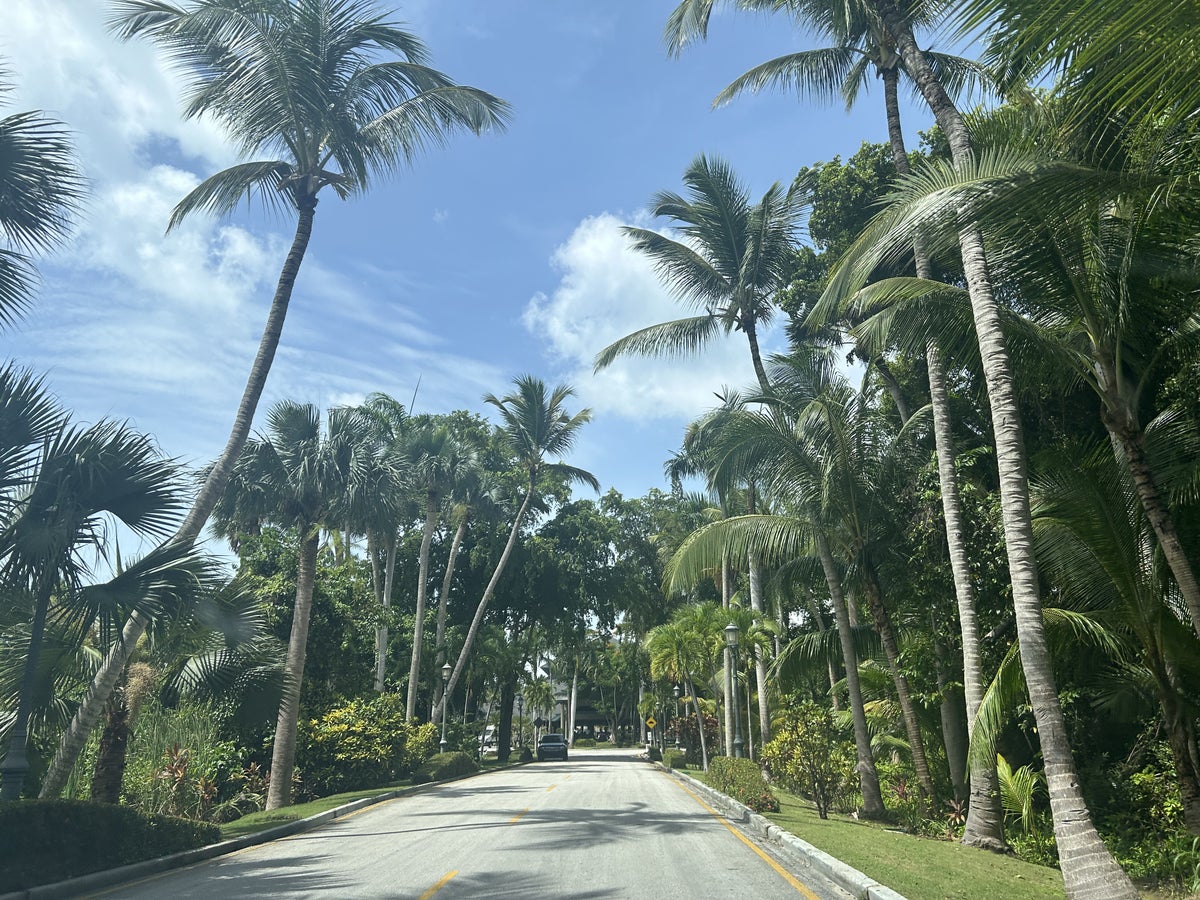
x=862 y=47
x=294 y=477
x=677 y=652
x=41 y=190
x=732 y=259
x=434 y=458
x=1088 y=867
x=60 y=486
x=340 y=96
x=534 y=426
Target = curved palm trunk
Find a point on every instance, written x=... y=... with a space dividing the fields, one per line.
x=76 y=735
x=380 y=629
x=868 y=778
x=829 y=663
x=760 y=665
x=477 y=621
x=912 y=727
x=283 y=752
x=1089 y=870
x=414 y=669
x=699 y=723
x=109 y=772
x=985 y=817
x=1123 y=427
x=755 y=354
x=444 y=602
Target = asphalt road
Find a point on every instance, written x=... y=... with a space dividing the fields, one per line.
x=603 y=824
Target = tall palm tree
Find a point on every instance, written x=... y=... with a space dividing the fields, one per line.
x=434 y=457
x=1089 y=869
x=41 y=190
x=677 y=652
x=730 y=262
x=862 y=47
x=294 y=477
x=60 y=488
x=332 y=94
x=534 y=425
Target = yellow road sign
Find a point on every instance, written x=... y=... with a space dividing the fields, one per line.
x=650 y=723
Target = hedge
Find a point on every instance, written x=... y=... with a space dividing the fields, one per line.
x=674 y=759
x=444 y=765
x=742 y=780
x=51 y=840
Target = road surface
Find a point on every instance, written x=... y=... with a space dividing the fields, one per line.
x=601 y=825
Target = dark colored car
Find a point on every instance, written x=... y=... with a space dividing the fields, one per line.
x=552 y=746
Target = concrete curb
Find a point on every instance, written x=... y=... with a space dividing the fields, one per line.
x=94 y=881
x=852 y=880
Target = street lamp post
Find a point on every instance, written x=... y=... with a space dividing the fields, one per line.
x=678 y=693
x=446 y=670
x=731 y=641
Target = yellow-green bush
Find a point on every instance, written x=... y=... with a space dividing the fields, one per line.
x=363 y=744
x=809 y=756
x=444 y=765
x=742 y=780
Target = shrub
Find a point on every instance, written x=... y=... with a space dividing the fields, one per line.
x=444 y=765
x=585 y=742
x=742 y=780
x=674 y=759
x=655 y=754
x=49 y=840
x=810 y=756
x=363 y=744
x=690 y=737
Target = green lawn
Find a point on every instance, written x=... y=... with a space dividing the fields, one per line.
x=919 y=868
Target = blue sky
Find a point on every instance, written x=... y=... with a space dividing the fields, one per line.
x=489 y=258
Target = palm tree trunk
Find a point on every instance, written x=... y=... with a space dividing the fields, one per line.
x=16 y=761
x=109 y=771
x=444 y=603
x=75 y=737
x=726 y=671
x=570 y=735
x=912 y=727
x=699 y=723
x=488 y=591
x=1089 y=870
x=760 y=665
x=953 y=715
x=381 y=634
x=283 y=752
x=1182 y=740
x=755 y=354
x=985 y=818
x=1132 y=439
x=868 y=778
x=414 y=669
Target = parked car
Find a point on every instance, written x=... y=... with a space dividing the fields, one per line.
x=552 y=746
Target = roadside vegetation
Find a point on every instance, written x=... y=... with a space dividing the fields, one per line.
x=933 y=566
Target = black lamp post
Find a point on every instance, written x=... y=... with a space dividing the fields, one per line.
x=731 y=641
x=446 y=669
x=678 y=693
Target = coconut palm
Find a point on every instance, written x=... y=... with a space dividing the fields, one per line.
x=677 y=652
x=61 y=487
x=1088 y=867
x=295 y=477
x=534 y=425
x=731 y=260
x=862 y=47
x=41 y=190
x=434 y=457
x=332 y=94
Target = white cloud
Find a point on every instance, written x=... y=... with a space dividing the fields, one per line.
x=606 y=291
x=440 y=216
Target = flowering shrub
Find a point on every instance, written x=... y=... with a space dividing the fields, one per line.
x=742 y=780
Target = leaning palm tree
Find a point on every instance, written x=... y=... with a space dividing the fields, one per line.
x=534 y=426
x=294 y=477
x=61 y=488
x=731 y=260
x=1089 y=869
x=862 y=47
x=40 y=191
x=317 y=93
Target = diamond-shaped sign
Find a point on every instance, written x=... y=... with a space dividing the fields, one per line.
x=650 y=723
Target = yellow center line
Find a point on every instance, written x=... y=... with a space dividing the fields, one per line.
x=780 y=870
x=518 y=815
x=441 y=884
x=552 y=787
